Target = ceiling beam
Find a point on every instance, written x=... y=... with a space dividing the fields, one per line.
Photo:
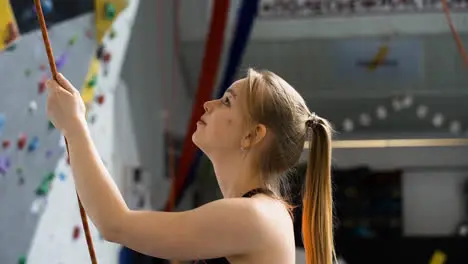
x=397 y=143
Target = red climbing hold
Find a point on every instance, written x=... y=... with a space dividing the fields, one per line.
x=22 y=141
x=6 y=144
x=43 y=67
x=76 y=232
x=42 y=86
x=107 y=57
x=100 y=99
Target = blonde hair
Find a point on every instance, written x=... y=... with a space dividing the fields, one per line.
x=271 y=101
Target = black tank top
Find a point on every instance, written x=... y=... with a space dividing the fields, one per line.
x=248 y=194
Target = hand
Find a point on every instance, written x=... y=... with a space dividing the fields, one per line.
x=65 y=107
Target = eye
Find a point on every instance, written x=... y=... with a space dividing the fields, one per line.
x=225 y=100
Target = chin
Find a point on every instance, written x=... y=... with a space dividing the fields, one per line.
x=196 y=139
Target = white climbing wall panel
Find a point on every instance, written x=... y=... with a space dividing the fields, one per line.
x=40 y=221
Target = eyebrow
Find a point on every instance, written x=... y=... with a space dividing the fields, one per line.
x=231 y=91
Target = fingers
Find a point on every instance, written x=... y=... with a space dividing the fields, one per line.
x=53 y=85
x=61 y=85
x=65 y=83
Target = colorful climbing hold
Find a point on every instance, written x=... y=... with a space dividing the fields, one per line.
x=109 y=11
x=22 y=260
x=47 y=6
x=92 y=119
x=19 y=171
x=6 y=144
x=42 y=86
x=38 y=205
x=112 y=34
x=32 y=106
x=76 y=232
x=61 y=61
x=100 y=52
x=43 y=67
x=107 y=57
x=51 y=126
x=100 y=99
x=22 y=139
x=27 y=72
x=2 y=122
x=12 y=47
x=5 y=164
x=73 y=40
x=438 y=257
x=21 y=180
x=13 y=34
x=33 y=144
x=92 y=82
x=45 y=185
x=62 y=176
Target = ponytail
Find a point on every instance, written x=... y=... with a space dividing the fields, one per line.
x=317 y=214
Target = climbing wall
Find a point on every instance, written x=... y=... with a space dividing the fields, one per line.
x=40 y=220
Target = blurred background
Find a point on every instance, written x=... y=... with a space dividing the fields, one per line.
x=391 y=75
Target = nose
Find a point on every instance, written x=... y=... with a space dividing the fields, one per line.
x=207 y=106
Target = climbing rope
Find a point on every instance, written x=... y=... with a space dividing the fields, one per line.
x=53 y=69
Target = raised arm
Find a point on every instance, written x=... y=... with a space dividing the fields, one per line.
x=221 y=228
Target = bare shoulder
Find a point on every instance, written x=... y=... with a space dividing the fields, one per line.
x=264 y=216
x=248 y=227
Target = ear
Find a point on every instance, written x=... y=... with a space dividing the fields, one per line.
x=254 y=136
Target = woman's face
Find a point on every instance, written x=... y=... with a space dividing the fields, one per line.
x=221 y=129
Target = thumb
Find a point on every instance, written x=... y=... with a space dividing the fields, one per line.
x=66 y=84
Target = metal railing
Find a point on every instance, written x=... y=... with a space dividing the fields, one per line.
x=318 y=8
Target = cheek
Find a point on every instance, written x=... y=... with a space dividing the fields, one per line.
x=226 y=128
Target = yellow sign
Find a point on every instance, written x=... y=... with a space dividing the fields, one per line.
x=8 y=28
x=106 y=12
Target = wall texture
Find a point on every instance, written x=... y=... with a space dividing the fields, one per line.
x=47 y=228
x=19 y=200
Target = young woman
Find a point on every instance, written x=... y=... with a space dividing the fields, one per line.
x=253 y=135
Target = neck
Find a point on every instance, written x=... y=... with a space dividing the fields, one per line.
x=236 y=176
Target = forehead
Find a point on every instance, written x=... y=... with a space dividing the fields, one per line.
x=238 y=86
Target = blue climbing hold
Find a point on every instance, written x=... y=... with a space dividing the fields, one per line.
x=47 y=6
x=34 y=144
x=2 y=122
x=62 y=176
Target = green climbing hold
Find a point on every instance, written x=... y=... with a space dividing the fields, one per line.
x=112 y=34
x=109 y=10
x=45 y=185
x=73 y=40
x=12 y=47
x=92 y=82
x=19 y=171
x=27 y=72
x=22 y=260
x=51 y=126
